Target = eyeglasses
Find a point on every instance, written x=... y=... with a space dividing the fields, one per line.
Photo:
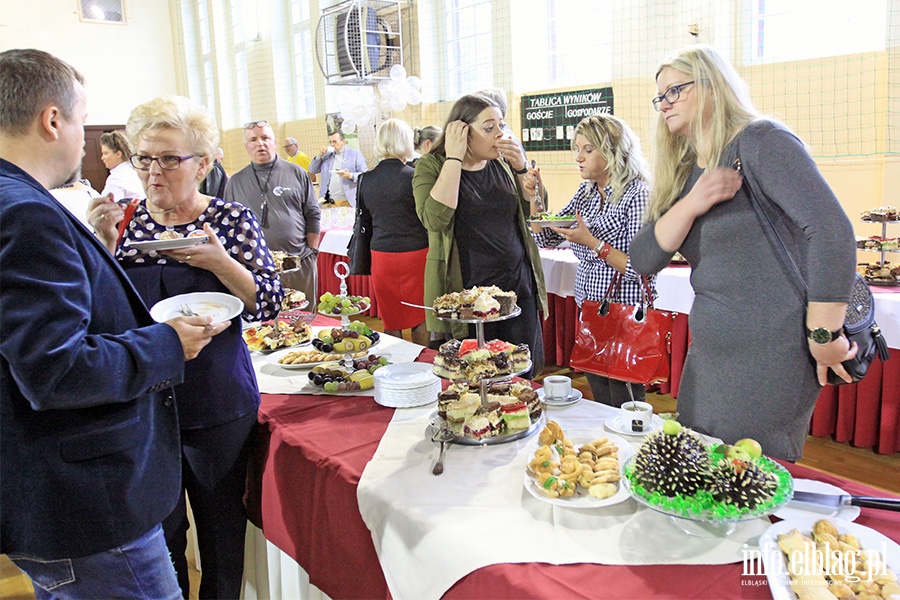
x=169 y=163
x=671 y=95
x=253 y=124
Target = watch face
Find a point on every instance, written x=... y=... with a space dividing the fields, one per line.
x=820 y=335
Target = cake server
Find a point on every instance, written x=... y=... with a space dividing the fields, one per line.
x=443 y=435
x=837 y=501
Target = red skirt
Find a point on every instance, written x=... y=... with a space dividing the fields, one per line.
x=396 y=277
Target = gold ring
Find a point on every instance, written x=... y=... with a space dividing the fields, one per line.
x=103 y=216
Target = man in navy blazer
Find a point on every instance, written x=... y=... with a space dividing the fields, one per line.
x=89 y=452
x=340 y=166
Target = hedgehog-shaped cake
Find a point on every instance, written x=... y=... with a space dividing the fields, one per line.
x=672 y=462
x=741 y=483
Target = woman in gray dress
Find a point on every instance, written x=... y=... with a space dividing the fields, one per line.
x=759 y=352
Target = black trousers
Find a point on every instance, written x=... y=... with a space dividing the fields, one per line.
x=614 y=392
x=524 y=329
x=213 y=472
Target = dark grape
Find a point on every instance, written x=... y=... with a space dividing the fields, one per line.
x=312 y=376
x=318 y=380
x=326 y=348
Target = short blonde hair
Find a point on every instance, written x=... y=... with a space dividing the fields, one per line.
x=394 y=139
x=619 y=146
x=178 y=113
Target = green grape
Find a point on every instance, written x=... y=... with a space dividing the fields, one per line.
x=346 y=302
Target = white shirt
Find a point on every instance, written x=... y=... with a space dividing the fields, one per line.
x=76 y=198
x=336 y=185
x=123 y=182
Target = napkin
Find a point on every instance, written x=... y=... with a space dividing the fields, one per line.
x=272 y=379
x=430 y=531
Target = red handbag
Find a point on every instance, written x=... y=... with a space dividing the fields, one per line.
x=624 y=342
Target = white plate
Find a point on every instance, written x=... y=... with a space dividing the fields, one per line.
x=616 y=424
x=185 y=242
x=793 y=509
x=582 y=499
x=221 y=307
x=774 y=560
x=552 y=223
x=405 y=375
x=573 y=397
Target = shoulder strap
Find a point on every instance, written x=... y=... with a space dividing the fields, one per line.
x=755 y=193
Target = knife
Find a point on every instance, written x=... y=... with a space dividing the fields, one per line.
x=837 y=501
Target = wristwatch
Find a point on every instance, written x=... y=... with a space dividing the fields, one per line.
x=822 y=336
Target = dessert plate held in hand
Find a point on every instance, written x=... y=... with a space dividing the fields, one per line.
x=794 y=509
x=553 y=222
x=185 y=242
x=573 y=397
x=618 y=425
x=221 y=307
x=582 y=498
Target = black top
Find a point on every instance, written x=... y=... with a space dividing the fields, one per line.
x=491 y=249
x=385 y=197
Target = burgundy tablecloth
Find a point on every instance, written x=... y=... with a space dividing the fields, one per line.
x=865 y=414
x=302 y=493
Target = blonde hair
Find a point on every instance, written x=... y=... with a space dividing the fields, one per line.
x=722 y=107
x=394 y=139
x=178 y=113
x=619 y=146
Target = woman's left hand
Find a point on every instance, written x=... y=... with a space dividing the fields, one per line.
x=830 y=356
x=580 y=234
x=209 y=256
x=512 y=152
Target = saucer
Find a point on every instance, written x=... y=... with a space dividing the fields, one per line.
x=616 y=424
x=573 y=397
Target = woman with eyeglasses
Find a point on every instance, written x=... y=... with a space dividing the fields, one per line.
x=757 y=357
x=609 y=206
x=469 y=196
x=122 y=181
x=174 y=141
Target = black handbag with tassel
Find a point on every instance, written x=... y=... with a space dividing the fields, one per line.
x=859 y=321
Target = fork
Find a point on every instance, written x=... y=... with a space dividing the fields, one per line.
x=187 y=310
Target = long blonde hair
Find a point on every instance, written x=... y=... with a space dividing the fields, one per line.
x=721 y=109
x=619 y=146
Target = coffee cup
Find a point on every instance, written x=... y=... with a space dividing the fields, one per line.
x=637 y=416
x=557 y=387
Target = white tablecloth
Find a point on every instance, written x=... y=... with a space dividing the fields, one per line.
x=335 y=241
x=676 y=294
x=430 y=531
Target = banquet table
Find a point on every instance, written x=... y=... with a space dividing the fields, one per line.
x=864 y=414
x=302 y=493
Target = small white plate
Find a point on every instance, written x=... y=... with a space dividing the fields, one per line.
x=582 y=499
x=793 y=509
x=185 y=242
x=554 y=223
x=616 y=424
x=774 y=560
x=221 y=307
x=573 y=397
x=405 y=375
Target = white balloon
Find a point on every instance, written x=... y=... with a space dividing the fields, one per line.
x=414 y=97
x=398 y=105
x=363 y=121
x=347 y=127
x=384 y=84
x=398 y=72
x=414 y=82
x=359 y=111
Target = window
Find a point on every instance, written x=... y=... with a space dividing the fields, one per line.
x=303 y=59
x=469 y=45
x=577 y=55
x=786 y=30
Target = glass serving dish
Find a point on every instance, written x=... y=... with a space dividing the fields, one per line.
x=701 y=515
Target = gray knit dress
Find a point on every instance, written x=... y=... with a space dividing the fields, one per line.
x=748 y=371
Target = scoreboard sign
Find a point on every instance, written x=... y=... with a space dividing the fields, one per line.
x=549 y=120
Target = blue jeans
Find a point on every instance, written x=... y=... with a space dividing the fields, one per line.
x=138 y=569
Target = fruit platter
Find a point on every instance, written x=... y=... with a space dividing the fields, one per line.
x=337 y=305
x=356 y=336
x=676 y=473
x=279 y=333
x=359 y=375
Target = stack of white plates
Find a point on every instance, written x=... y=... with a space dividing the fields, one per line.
x=404 y=385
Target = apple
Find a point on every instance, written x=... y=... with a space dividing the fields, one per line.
x=671 y=427
x=753 y=448
x=738 y=452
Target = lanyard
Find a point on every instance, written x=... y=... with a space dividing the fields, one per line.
x=263 y=187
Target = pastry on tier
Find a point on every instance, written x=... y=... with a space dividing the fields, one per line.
x=293 y=299
x=465 y=361
x=880 y=214
x=475 y=303
x=510 y=407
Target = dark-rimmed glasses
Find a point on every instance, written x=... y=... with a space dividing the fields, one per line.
x=168 y=162
x=253 y=124
x=671 y=95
